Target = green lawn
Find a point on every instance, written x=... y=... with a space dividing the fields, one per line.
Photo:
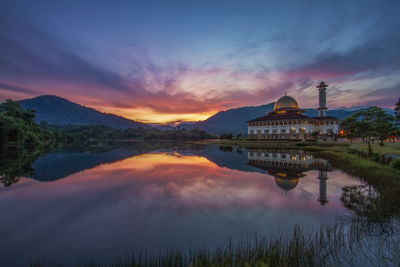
x=388 y=148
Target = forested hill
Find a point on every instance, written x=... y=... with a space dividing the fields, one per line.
x=60 y=111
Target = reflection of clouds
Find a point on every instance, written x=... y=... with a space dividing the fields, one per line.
x=155 y=200
x=185 y=181
x=191 y=182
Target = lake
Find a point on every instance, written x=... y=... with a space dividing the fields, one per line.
x=105 y=202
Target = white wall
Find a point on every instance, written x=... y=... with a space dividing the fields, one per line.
x=309 y=128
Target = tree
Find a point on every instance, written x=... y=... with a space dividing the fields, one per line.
x=397 y=110
x=377 y=123
x=315 y=134
x=12 y=109
x=18 y=127
x=384 y=125
x=349 y=126
x=228 y=136
x=369 y=123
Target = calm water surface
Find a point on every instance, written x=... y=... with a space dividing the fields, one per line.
x=77 y=206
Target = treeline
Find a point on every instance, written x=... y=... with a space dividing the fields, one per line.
x=76 y=133
x=17 y=126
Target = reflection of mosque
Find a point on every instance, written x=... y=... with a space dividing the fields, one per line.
x=287 y=166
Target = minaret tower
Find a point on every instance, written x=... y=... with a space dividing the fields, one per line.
x=322 y=177
x=322 y=99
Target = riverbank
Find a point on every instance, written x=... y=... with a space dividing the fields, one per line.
x=385 y=179
x=340 y=154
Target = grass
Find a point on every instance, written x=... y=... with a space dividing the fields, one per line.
x=247 y=143
x=340 y=156
x=337 y=245
x=388 y=148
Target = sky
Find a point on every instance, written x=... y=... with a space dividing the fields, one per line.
x=168 y=61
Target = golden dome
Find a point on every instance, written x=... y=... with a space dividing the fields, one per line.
x=286 y=102
x=286 y=184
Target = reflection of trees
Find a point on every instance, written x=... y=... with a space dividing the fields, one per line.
x=361 y=199
x=376 y=202
x=14 y=163
x=374 y=225
x=376 y=209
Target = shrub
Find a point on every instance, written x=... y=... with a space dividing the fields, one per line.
x=395 y=164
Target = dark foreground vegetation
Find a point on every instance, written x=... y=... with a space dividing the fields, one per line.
x=17 y=126
x=344 y=244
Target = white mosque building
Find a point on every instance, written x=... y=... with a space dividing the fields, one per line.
x=286 y=121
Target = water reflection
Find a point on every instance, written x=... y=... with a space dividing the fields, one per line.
x=288 y=167
x=60 y=164
x=16 y=162
x=103 y=204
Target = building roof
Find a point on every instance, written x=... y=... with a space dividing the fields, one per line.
x=327 y=118
x=286 y=108
x=291 y=116
x=322 y=84
x=286 y=102
x=277 y=117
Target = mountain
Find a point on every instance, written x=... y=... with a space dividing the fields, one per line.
x=170 y=126
x=234 y=120
x=60 y=111
x=162 y=127
x=353 y=108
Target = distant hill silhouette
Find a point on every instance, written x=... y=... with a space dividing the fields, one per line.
x=234 y=120
x=57 y=110
x=60 y=111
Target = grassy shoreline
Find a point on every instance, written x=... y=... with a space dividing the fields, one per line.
x=339 y=154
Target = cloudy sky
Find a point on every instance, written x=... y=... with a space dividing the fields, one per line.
x=159 y=61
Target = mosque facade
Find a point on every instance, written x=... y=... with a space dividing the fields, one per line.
x=286 y=121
